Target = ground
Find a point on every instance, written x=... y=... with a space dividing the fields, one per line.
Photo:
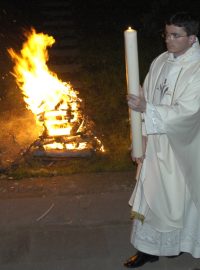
x=70 y=184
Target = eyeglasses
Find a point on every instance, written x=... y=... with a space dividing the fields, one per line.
x=172 y=36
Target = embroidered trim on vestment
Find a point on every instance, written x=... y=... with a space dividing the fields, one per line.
x=136 y=215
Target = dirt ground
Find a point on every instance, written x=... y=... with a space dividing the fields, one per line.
x=63 y=185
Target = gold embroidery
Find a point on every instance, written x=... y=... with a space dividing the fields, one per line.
x=136 y=215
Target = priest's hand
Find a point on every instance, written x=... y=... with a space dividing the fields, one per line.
x=136 y=103
x=139 y=160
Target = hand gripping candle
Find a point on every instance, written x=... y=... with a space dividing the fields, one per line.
x=132 y=77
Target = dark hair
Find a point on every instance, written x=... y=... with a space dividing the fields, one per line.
x=186 y=20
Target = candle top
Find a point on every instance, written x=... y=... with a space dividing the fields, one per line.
x=130 y=29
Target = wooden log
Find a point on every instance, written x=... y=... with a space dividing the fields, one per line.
x=62 y=153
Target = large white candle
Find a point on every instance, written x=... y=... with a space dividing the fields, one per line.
x=132 y=77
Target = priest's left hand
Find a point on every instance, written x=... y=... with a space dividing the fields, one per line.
x=136 y=103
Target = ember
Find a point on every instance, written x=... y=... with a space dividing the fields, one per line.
x=64 y=129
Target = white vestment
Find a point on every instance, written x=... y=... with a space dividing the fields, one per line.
x=167 y=193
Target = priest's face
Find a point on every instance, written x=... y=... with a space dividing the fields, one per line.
x=177 y=40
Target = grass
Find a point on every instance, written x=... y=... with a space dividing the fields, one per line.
x=71 y=166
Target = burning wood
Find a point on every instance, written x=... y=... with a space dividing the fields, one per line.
x=55 y=104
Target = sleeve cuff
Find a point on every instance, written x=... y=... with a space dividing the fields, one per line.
x=153 y=120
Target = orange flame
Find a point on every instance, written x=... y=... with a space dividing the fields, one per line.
x=45 y=95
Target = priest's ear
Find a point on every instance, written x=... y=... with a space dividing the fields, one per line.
x=192 y=39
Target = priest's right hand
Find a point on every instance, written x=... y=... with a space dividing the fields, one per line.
x=137 y=160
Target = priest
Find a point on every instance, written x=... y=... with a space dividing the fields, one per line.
x=166 y=199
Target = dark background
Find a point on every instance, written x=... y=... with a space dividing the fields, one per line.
x=103 y=19
x=94 y=16
x=99 y=26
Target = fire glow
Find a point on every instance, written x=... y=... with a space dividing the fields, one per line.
x=55 y=104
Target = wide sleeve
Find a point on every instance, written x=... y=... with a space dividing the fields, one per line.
x=153 y=121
